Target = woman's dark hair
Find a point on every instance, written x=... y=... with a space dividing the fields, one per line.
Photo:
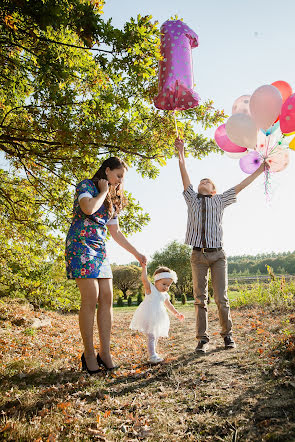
x=115 y=199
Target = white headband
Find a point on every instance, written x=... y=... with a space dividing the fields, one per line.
x=171 y=275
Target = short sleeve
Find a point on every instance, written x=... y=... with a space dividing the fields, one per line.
x=85 y=189
x=84 y=195
x=113 y=220
x=189 y=195
x=228 y=197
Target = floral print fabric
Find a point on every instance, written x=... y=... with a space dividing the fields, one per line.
x=85 y=243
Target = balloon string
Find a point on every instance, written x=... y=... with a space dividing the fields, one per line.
x=267 y=183
x=175 y=123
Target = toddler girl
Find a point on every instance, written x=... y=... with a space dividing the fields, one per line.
x=151 y=316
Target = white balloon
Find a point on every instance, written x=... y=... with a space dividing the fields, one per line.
x=241 y=105
x=241 y=130
x=236 y=155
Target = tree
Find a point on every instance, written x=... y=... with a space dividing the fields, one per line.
x=126 y=278
x=74 y=90
x=177 y=257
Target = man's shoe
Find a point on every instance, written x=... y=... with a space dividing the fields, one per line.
x=229 y=342
x=202 y=347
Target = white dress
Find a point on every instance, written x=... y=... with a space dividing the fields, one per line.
x=151 y=316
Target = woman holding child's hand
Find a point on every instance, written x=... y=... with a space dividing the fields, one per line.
x=98 y=201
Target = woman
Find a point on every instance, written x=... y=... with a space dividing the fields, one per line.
x=96 y=207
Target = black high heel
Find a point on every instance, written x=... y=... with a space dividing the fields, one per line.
x=84 y=366
x=103 y=364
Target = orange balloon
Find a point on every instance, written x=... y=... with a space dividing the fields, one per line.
x=284 y=88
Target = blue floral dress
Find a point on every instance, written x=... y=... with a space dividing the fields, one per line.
x=85 y=243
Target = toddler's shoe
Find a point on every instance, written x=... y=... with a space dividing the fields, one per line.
x=155 y=359
x=202 y=347
x=229 y=342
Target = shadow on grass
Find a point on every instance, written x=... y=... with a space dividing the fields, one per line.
x=43 y=389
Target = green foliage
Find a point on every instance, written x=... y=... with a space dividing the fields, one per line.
x=129 y=301
x=126 y=278
x=139 y=298
x=74 y=90
x=172 y=298
x=120 y=301
x=176 y=256
x=281 y=263
x=278 y=293
x=270 y=272
x=183 y=299
x=210 y=286
x=34 y=269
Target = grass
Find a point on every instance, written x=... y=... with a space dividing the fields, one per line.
x=246 y=394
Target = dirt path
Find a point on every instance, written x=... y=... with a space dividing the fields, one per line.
x=233 y=395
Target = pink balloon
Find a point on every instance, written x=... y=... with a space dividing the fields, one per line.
x=241 y=105
x=249 y=163
x=175 y=69
x=224 y=142
x=287 y=117
x=265 y=105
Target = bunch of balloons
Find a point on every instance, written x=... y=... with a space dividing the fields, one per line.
x=175 y=81
x=259 y=126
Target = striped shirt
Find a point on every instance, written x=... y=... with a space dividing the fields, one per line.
x=204 y=223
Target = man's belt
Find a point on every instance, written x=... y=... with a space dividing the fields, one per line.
x=205 y=250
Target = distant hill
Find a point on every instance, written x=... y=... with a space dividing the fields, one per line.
x=282 y=263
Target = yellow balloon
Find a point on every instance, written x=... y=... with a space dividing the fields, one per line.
x=292 y=144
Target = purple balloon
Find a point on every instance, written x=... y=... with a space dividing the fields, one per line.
x=175 y=68
x=224 y=142
x=249 y=163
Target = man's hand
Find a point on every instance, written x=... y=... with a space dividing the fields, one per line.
x=179 y=144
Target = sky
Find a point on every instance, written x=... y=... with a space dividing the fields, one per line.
x=243 y=44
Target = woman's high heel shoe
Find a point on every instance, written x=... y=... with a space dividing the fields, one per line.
x=84 y=366
x=102 y=364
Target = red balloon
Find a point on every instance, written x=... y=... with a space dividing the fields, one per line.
x=284 y=88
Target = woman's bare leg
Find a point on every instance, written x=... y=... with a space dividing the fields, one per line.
x=105 y=319
x=89 y=290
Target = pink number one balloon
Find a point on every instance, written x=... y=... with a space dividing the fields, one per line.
x=175 y=68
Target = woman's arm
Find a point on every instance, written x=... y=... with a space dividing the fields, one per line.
x=251 y=178
x=145 y=280
x=118 y=236
x=91 y=205
x=173 y=310
x=179 y=144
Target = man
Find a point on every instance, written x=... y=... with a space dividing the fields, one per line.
x=204 y=233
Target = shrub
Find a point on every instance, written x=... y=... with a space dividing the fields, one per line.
x=278 y=293
x=139 y=298
x=172 y=298
x=129 y=301
x=120 y=301
x=183 y=298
